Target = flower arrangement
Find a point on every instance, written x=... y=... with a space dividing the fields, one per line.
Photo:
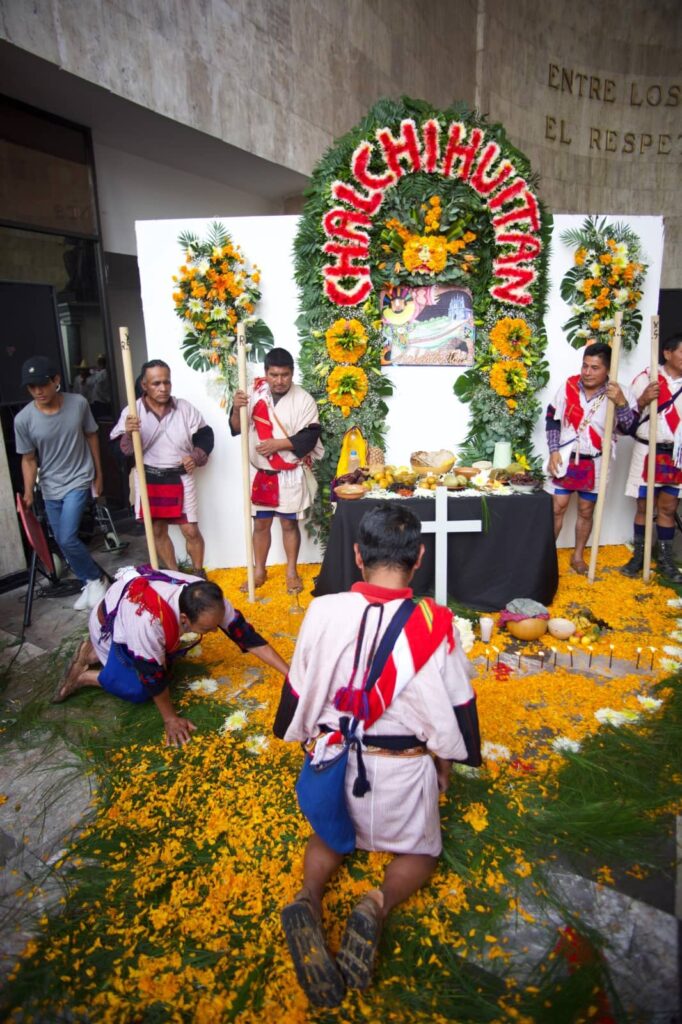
x=510 y=337
x=215 y=289
x=346 y=341
x=424 y=251
x=607 y=277
x=347 y=388
x=415 y=196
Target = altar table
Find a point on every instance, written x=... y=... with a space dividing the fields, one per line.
x=515 y=556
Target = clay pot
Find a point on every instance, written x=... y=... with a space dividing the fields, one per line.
x=527 y=629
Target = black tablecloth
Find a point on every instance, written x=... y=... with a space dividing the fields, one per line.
x=514 y=557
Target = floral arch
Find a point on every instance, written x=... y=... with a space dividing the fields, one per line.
x=414 y=196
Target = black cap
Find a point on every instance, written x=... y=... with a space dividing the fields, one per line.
x=38 y=370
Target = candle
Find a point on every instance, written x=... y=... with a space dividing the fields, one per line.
x=485 y=625
x=487 y=659
x=589 y=664
x=520 y=659
x=610 y=655
x=502 y=455
x=542 y=660
x=653 y=651
x=570 y=651
x=497 y=652
x=639 y=655
x=554 y=653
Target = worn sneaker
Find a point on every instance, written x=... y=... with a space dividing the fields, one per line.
x=81 y=602
x=96 y=589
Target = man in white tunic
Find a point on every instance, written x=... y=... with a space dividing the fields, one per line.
x=429 y=721
x=284 y=438
x=668 y=479
x=175 y=441
x=136 y=635
x=575 y=423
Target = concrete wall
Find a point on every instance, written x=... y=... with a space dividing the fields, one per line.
x=592 y=93
x=278 y=78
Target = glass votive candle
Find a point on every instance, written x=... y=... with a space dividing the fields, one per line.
x=485 y=624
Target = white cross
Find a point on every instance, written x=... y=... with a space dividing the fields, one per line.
x=442 y=526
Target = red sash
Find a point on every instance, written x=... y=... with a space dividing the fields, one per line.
x=424 y=631
x=672 y=417
x=574 y=411
x=141 y=592
x=265 y=487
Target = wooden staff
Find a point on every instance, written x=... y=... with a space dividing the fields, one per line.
x=651 y=465
x=246 y=465
x=606 y=453
x=137 y=447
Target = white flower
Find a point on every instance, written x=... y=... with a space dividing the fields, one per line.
x=582 y=332
x=256 y=744
x=605 y=324
x=481 y=479
x=195 y=652
x=495 y=752
x=562 y=744
x=595 y=269
x=203 y=685
x=195 y=306
x=674 y=652
x=649 y=703
x=676 y=635
x=203 y=265
x=621 y=296
x=669 y=664
x=218 y=312
x=675 y=602
x=607 y=716
x=237 y=720
x=466 y=633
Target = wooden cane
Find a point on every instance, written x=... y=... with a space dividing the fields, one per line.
x=651 y=465
x=246 y=465
x=137 y=447
x=606 y=452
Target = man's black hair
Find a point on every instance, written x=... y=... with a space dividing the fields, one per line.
x=600 y=349
x=278 y=357
x=670 y=344
x=199 y=597
x=389 y=535
x=152 y=363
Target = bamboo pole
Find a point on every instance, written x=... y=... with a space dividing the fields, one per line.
x=246 y=470
x=651 y=466
x=606 y=454
x=137 y=447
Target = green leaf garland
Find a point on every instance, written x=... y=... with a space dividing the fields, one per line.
x=507 y=259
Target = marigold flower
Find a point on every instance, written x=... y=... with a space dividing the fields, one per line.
x=346 y=341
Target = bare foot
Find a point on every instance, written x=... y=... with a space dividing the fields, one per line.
x=258 y=581
x=580 y=567
x=70 y=681
x=294 y=583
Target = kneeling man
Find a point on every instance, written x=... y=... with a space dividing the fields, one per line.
x=136 y=635
x=428 y=719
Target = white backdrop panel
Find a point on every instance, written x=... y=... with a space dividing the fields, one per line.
x=266 y=241
x=564 y=360
x=423 y=412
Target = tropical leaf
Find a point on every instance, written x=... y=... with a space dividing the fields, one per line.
x=260 y=338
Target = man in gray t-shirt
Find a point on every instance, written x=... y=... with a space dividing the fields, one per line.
x=57 y=433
